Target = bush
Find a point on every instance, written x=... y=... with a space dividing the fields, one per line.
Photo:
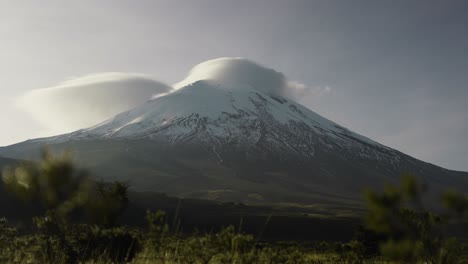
x=412 y=232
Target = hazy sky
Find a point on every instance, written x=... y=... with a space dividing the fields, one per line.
x=395 y=71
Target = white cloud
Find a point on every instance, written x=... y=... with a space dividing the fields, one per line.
x=239 y=72
x=86 y=101
x=301 y=91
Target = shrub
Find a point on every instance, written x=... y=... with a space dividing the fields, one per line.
x=412 y=232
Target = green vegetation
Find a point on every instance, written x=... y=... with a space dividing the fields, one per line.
x=78 y=222
x=411 y=232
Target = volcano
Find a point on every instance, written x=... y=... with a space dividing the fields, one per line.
x=237 y=137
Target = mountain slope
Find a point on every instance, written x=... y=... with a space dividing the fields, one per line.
x=235 y=142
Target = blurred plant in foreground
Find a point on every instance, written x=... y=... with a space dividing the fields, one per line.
x=413 y=233
x=65 y=191
x=67 y=195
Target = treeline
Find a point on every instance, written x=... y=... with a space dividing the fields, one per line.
x=79 y=223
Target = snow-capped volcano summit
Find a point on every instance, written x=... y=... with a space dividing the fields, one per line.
x=231 y=131
x=220 y=117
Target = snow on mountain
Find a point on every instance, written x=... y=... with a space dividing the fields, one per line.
x=211 y=113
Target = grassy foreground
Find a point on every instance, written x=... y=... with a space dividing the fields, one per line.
x=158 y=243
x=90 y=244
x=77 y=221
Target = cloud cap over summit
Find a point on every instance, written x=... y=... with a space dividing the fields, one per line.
x=240 y=72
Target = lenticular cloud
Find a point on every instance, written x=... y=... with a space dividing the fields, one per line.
x=86 y=101
x=240 y=72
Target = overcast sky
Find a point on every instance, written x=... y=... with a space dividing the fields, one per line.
x=394 y=71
